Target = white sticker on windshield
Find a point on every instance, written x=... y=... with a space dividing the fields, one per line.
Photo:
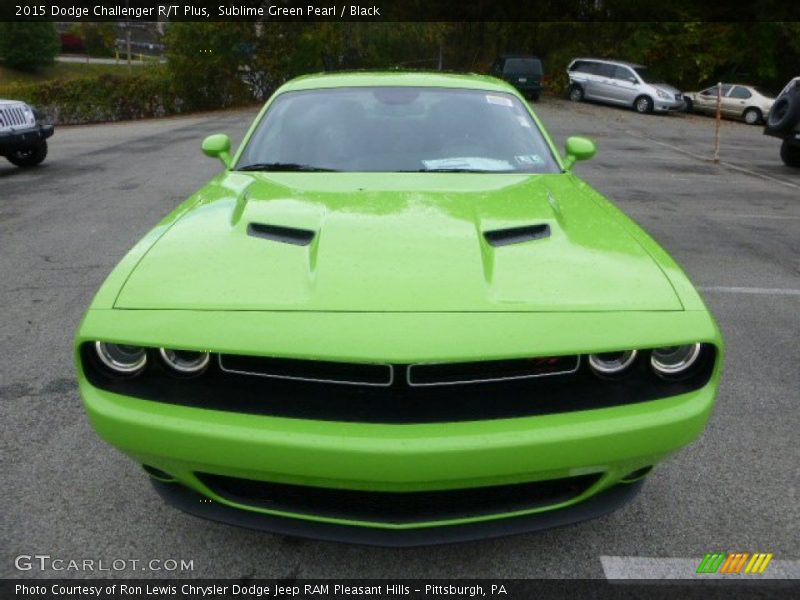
x=467 y=163
x=529 y=159
x=523 y=121
x=499 y=100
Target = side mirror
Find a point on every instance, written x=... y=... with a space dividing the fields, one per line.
x=218 y=146
x=578 y=148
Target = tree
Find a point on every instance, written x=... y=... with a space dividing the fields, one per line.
x=208 y=61
x=28 y=46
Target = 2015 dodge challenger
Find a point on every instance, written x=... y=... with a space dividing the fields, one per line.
x=397 y=317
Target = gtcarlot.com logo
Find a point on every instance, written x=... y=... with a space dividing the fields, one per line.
x=46 y=562
x=734 y=563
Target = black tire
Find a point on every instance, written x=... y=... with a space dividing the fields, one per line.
x=643 y=105
x=790 y=154
x=688 y=105
x=535 y=97
x=29 y=158
x=785 y=113
x=753 y=116
x=575 y=93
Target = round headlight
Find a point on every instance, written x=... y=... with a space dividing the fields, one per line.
x=612 y=363
x=672 y=361
x=121 y=358
x=185 y=362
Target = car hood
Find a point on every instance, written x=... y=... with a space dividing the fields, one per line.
x=397 y=242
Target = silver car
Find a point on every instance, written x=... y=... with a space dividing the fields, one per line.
x=623 y=83
x=736 y=102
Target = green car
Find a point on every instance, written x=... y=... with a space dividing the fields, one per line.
x=396 y=317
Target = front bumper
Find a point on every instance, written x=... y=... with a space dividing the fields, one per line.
x=666 y=105
x=195 y=504
x=608 y=443
x=24 y=139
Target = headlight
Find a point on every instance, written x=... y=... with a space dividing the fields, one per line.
x=185 y=362
x=612 y=363
x=121 y=358
x=673 y=361
x=663 y=94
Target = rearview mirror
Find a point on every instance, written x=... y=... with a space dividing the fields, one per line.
x=578 y=148
x=218 y=146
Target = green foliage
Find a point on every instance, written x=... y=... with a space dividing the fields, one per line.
x=28 y=46
x=143 y=94
x=206 y=61
x=99 y=38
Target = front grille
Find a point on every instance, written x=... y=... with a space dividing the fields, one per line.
x=287 y=390
x=308 y=370
x=490 y=370
x=12 y=116
x=397 y=507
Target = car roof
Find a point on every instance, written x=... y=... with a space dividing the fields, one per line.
x=396 y=79
x=612 y=62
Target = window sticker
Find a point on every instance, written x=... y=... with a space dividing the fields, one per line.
x=499 y=100
x=476 y=163
x=529 y=159
x=523 y=121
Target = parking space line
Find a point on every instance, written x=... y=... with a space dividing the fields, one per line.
x=708 y=160
x=644 y=567
x=750 y=290
x=719 y=215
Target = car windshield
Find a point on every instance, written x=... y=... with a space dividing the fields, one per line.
x=647 y=76
x=398 y=129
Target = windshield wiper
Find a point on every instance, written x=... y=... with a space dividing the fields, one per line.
x=279 y=166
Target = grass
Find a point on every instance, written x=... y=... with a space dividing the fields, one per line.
x=61 y=71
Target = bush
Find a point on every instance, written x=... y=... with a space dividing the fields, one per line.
x=28 y=46
x=103 y=98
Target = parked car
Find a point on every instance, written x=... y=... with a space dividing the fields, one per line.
x=23 y=134
x=737 y=101
x=623 y=83
x=523 y=71
x=783 y=122
x=397 y=317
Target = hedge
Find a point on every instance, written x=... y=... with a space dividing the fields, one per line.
x=106 y=97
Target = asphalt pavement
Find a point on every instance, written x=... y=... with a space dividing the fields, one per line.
x=734 y=226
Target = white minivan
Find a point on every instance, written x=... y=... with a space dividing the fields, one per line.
x=623 y=83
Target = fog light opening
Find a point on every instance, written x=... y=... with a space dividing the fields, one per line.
x=637 y=474
x=158 y=474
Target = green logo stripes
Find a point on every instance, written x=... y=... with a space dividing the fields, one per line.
x=733 y=562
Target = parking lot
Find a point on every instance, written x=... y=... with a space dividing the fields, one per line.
x=734 y=226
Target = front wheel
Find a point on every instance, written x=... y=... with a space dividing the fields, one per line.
x=576 y=93
x=790 y=154
x=643 y=105
x=30 y=157
x=752 y=116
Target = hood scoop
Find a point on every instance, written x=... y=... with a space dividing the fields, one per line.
x=517 y=235
x=277 y=233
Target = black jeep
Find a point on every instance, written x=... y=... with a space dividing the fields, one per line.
x=783 y=122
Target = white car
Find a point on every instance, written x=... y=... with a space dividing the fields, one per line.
x=737 y=101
